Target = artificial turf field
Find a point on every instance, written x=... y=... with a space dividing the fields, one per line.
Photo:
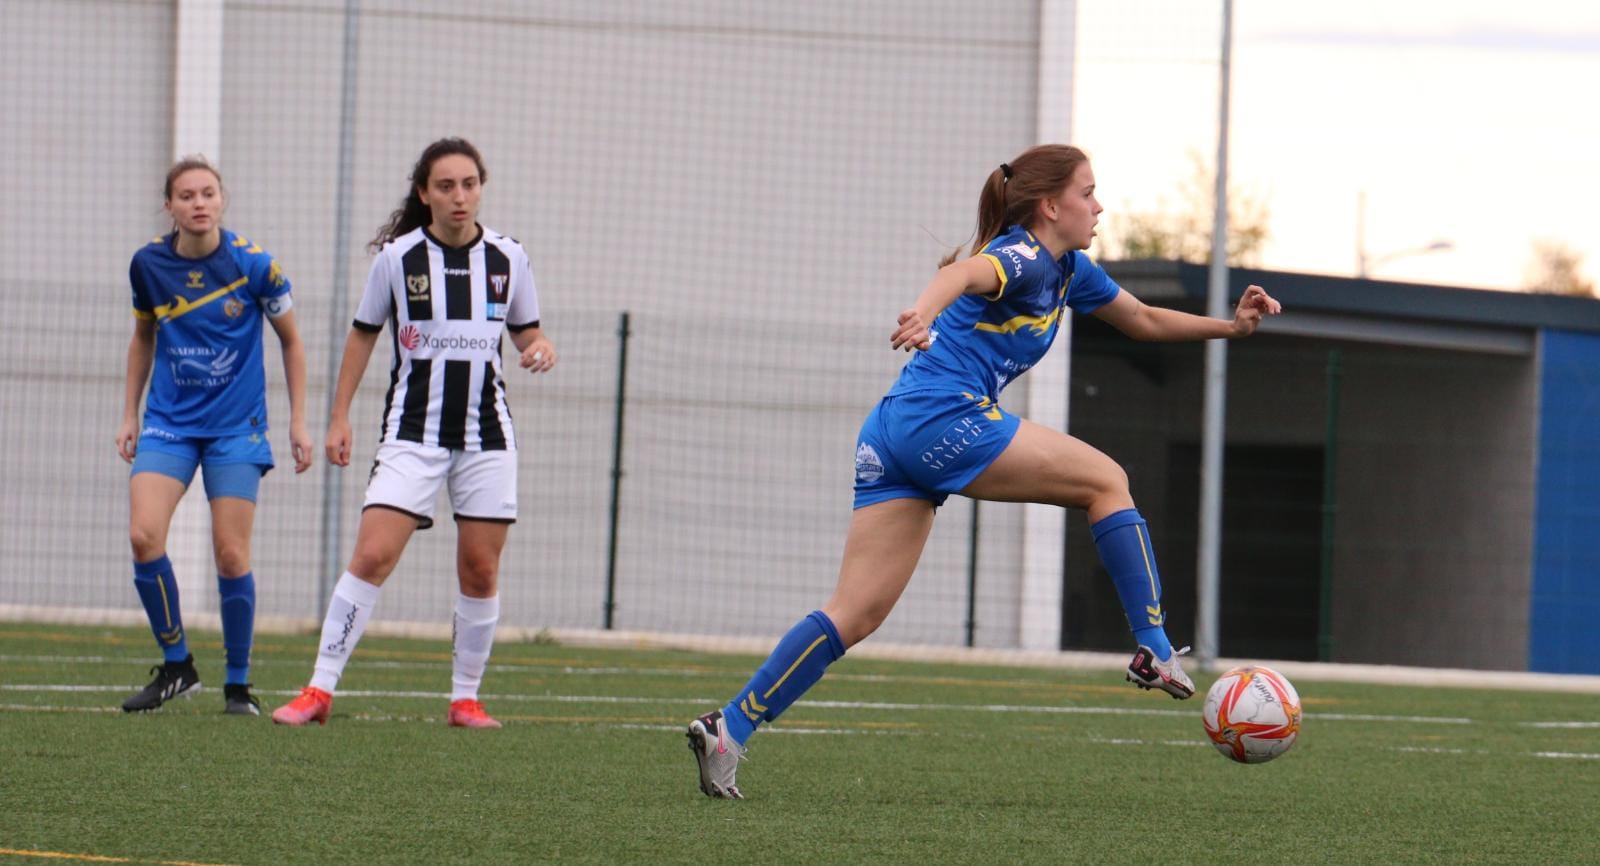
x=883 y=762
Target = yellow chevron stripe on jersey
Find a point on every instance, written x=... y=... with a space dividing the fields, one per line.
x=141 y=314
x=182 y=306
x=1040 y=325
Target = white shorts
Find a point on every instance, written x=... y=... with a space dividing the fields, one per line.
x=406 y=476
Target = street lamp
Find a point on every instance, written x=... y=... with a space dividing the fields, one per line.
x=1366 y=264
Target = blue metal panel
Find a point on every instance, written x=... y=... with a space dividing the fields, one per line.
x=1565 y=603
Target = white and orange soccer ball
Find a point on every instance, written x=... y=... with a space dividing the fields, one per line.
x=1252 y=714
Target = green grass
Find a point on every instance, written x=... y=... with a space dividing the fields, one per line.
x=592 y=767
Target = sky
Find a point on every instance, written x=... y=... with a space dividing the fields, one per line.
x=1470 y=122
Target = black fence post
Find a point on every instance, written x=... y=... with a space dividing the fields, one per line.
x=972 y=577
x=623 y=333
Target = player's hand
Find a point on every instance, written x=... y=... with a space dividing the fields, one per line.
x=338 y=443
x=1255 y=304
x=539 y=357
x=128 y=439
x=301 y=445
x=912 y=333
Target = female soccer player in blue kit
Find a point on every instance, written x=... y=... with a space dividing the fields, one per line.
x=979 y=324
x=199 y=295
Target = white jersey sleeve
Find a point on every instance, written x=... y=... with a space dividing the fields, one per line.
x=524 y=310
x=377 y=302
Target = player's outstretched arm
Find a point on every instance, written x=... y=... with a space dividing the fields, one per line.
x=294 y=373
x=970 y=276
x=1140 y=321
x=141 y=352
x=357 y=352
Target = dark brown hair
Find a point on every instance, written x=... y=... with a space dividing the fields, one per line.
x=186 y=164
x=412 y=212
x=1014 y=189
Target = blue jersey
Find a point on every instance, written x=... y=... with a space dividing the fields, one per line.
x=981 y=343
x=208 y=378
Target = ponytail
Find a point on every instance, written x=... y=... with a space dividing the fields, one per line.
x=1014 y=189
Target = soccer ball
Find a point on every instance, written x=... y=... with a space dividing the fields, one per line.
x=1252 y=714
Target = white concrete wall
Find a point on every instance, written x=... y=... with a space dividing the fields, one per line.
x=764 y=185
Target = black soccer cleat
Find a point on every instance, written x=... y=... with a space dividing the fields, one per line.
x=238 y=701
x=172 y=680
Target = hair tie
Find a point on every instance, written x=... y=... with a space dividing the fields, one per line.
x=1005 y=170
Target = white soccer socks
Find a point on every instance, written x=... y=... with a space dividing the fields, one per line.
x=348 y=611
x=473 y=637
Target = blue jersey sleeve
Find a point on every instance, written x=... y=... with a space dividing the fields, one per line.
x=1091 y=287
x=267 y=283
x=143 y=306
x=1022 y=263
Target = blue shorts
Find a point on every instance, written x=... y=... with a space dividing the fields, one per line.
x=928 y=445
x=233 y=464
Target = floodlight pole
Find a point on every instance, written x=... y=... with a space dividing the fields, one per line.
x=1209 y=556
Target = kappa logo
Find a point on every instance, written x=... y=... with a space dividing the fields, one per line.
x=411 y=335
x=497 y=286
x=196 y=280
x=417 y=287
x=869 y=466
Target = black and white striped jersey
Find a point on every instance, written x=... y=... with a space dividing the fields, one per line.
x=447 y=308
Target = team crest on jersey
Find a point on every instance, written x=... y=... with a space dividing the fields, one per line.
x=410 y=336
x=1022 y=249
x=497 y=286
x=869 y=466
x=196 y=280
x=417 y=287
x=232 y=307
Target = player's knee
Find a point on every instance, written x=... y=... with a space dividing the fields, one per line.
x=146 y=543
x=233 y=559
x=1108 y=490
x=372 y=563
x=478 y=575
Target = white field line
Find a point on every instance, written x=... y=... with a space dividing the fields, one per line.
x=302 y=627
x=776 y=729
x=1042 y=709
x=575 y=670
x=380 y=664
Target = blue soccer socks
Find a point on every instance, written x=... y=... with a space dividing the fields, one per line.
x=794 y=667
x=158 y=591
x=238 y=624
x=1126 y=551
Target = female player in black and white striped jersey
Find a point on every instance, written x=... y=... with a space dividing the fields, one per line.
x=448 y=288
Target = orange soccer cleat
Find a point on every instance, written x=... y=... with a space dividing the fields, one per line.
x=312 y=705
x=467 y=713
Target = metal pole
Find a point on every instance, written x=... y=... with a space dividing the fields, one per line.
x=1330 y=507
x=623 y=333
x=338 y=306
x=972 y=576
x=1208 y=567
